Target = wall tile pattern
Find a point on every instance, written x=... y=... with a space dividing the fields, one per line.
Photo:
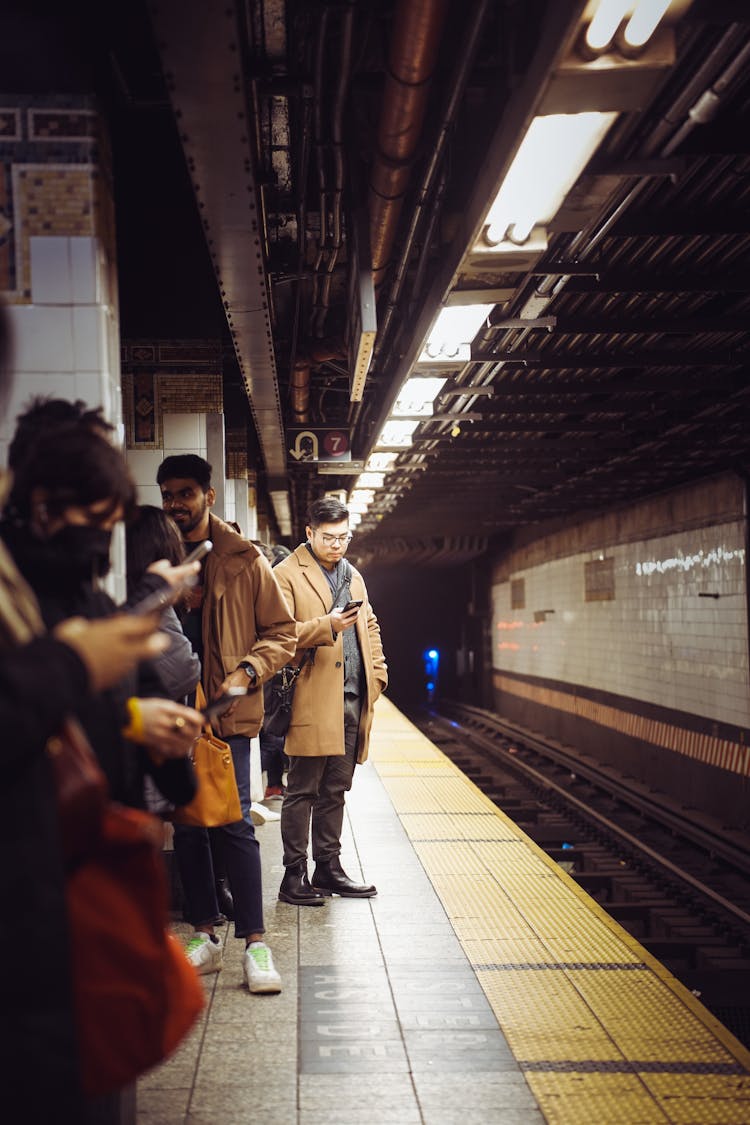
x=674 y=635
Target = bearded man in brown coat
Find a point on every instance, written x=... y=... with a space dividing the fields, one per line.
x=333 y=703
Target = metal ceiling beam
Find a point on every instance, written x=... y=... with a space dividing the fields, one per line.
x=632 y=281
x=201 y=56
x=670 y=326
x=554 y=32
x=676 y=224
x=565 y=360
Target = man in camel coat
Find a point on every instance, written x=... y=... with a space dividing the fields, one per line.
x=333 y=702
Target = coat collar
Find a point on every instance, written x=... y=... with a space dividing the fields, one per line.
x=313 y=574
x=231 y=554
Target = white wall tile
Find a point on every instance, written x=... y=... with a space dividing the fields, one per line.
x=89 y=344
x=84 y=272
x=184 y=433
x=27 y=386
x=89 y=387
x=50 y=270
x=43 y=338
x=149 y=494
x=657 y=640
x=144 y=465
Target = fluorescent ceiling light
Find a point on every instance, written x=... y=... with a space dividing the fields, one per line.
x=362 y=495
x=448 y=357
x=370 y=480
x=355 y=518
x=357 y=508
x=644 y=21
x=609 y=15
x=417 y=396
x=397 y=433
x=456 y=325
x=381 y=462
x=552 y=155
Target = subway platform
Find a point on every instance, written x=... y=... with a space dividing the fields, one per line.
x=481 y=984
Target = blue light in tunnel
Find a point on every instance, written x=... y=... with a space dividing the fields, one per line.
x=431 y=659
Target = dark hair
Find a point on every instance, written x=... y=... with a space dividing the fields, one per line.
x=327 y=510
x=77 y=468
x=264 y=550
x=279 y=552
x=150 y=534
x=44 y=415
x=185 y=466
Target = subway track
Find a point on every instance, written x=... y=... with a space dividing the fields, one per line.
x=677 y=882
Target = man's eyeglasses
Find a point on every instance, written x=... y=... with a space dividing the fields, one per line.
x=330 y=540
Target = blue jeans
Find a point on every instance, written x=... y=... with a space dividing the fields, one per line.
x=241 y=854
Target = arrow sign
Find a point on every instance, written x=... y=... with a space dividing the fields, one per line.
x=330 y=445
x=305 y=446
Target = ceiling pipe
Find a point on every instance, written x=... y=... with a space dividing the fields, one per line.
x=322 y=351
x=418 y=27
x=457 y=87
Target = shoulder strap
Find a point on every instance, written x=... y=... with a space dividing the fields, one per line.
x=346 y=578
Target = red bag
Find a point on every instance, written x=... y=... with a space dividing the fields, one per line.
x=81 y=789
x=136 y=995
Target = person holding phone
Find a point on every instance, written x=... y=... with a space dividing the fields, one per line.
x=242 y=631
x=43 y=676
x=333 y=703
x=68 y=494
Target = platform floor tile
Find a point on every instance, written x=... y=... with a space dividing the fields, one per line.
x=480 y=986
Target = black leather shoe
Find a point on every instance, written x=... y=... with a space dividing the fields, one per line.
x=224 y=899
x=295 y=888
x=330 y=877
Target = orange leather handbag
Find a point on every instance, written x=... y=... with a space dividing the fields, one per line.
x=217 y=801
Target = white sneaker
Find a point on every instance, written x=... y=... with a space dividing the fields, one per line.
x=204 y=955
x=259 y=814
x=259 y=971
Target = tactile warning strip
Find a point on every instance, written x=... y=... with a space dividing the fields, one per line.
x=602 y=1032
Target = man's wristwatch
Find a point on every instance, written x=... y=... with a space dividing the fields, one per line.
x=249 y=671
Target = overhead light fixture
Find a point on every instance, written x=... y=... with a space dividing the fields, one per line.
x=357 y=508
x=417 y=396
x=381 y=462
x=362 y=495
x=355 y=518
x=643 y=17
x=456 y=325
x=644 y=21
x=282 y=510
x=603 y=27
x=551 y=157
x=397 y=433
x=370 y=480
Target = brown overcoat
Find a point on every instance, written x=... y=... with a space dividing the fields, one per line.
x=317 y=726
x=245 y=618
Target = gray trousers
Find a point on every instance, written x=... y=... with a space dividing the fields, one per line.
x=315 y=789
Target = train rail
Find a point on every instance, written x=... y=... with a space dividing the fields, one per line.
x=677 y=882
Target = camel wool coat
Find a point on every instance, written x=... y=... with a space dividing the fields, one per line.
x=317 y=726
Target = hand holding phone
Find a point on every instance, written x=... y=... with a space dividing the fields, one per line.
x=168 y=595
x=199 y=552
x=352 y=605
x=222 y=703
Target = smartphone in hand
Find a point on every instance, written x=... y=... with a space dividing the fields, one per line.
x=352 y=605
x=168 y=595
x=222 y=703
x=200 y=552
